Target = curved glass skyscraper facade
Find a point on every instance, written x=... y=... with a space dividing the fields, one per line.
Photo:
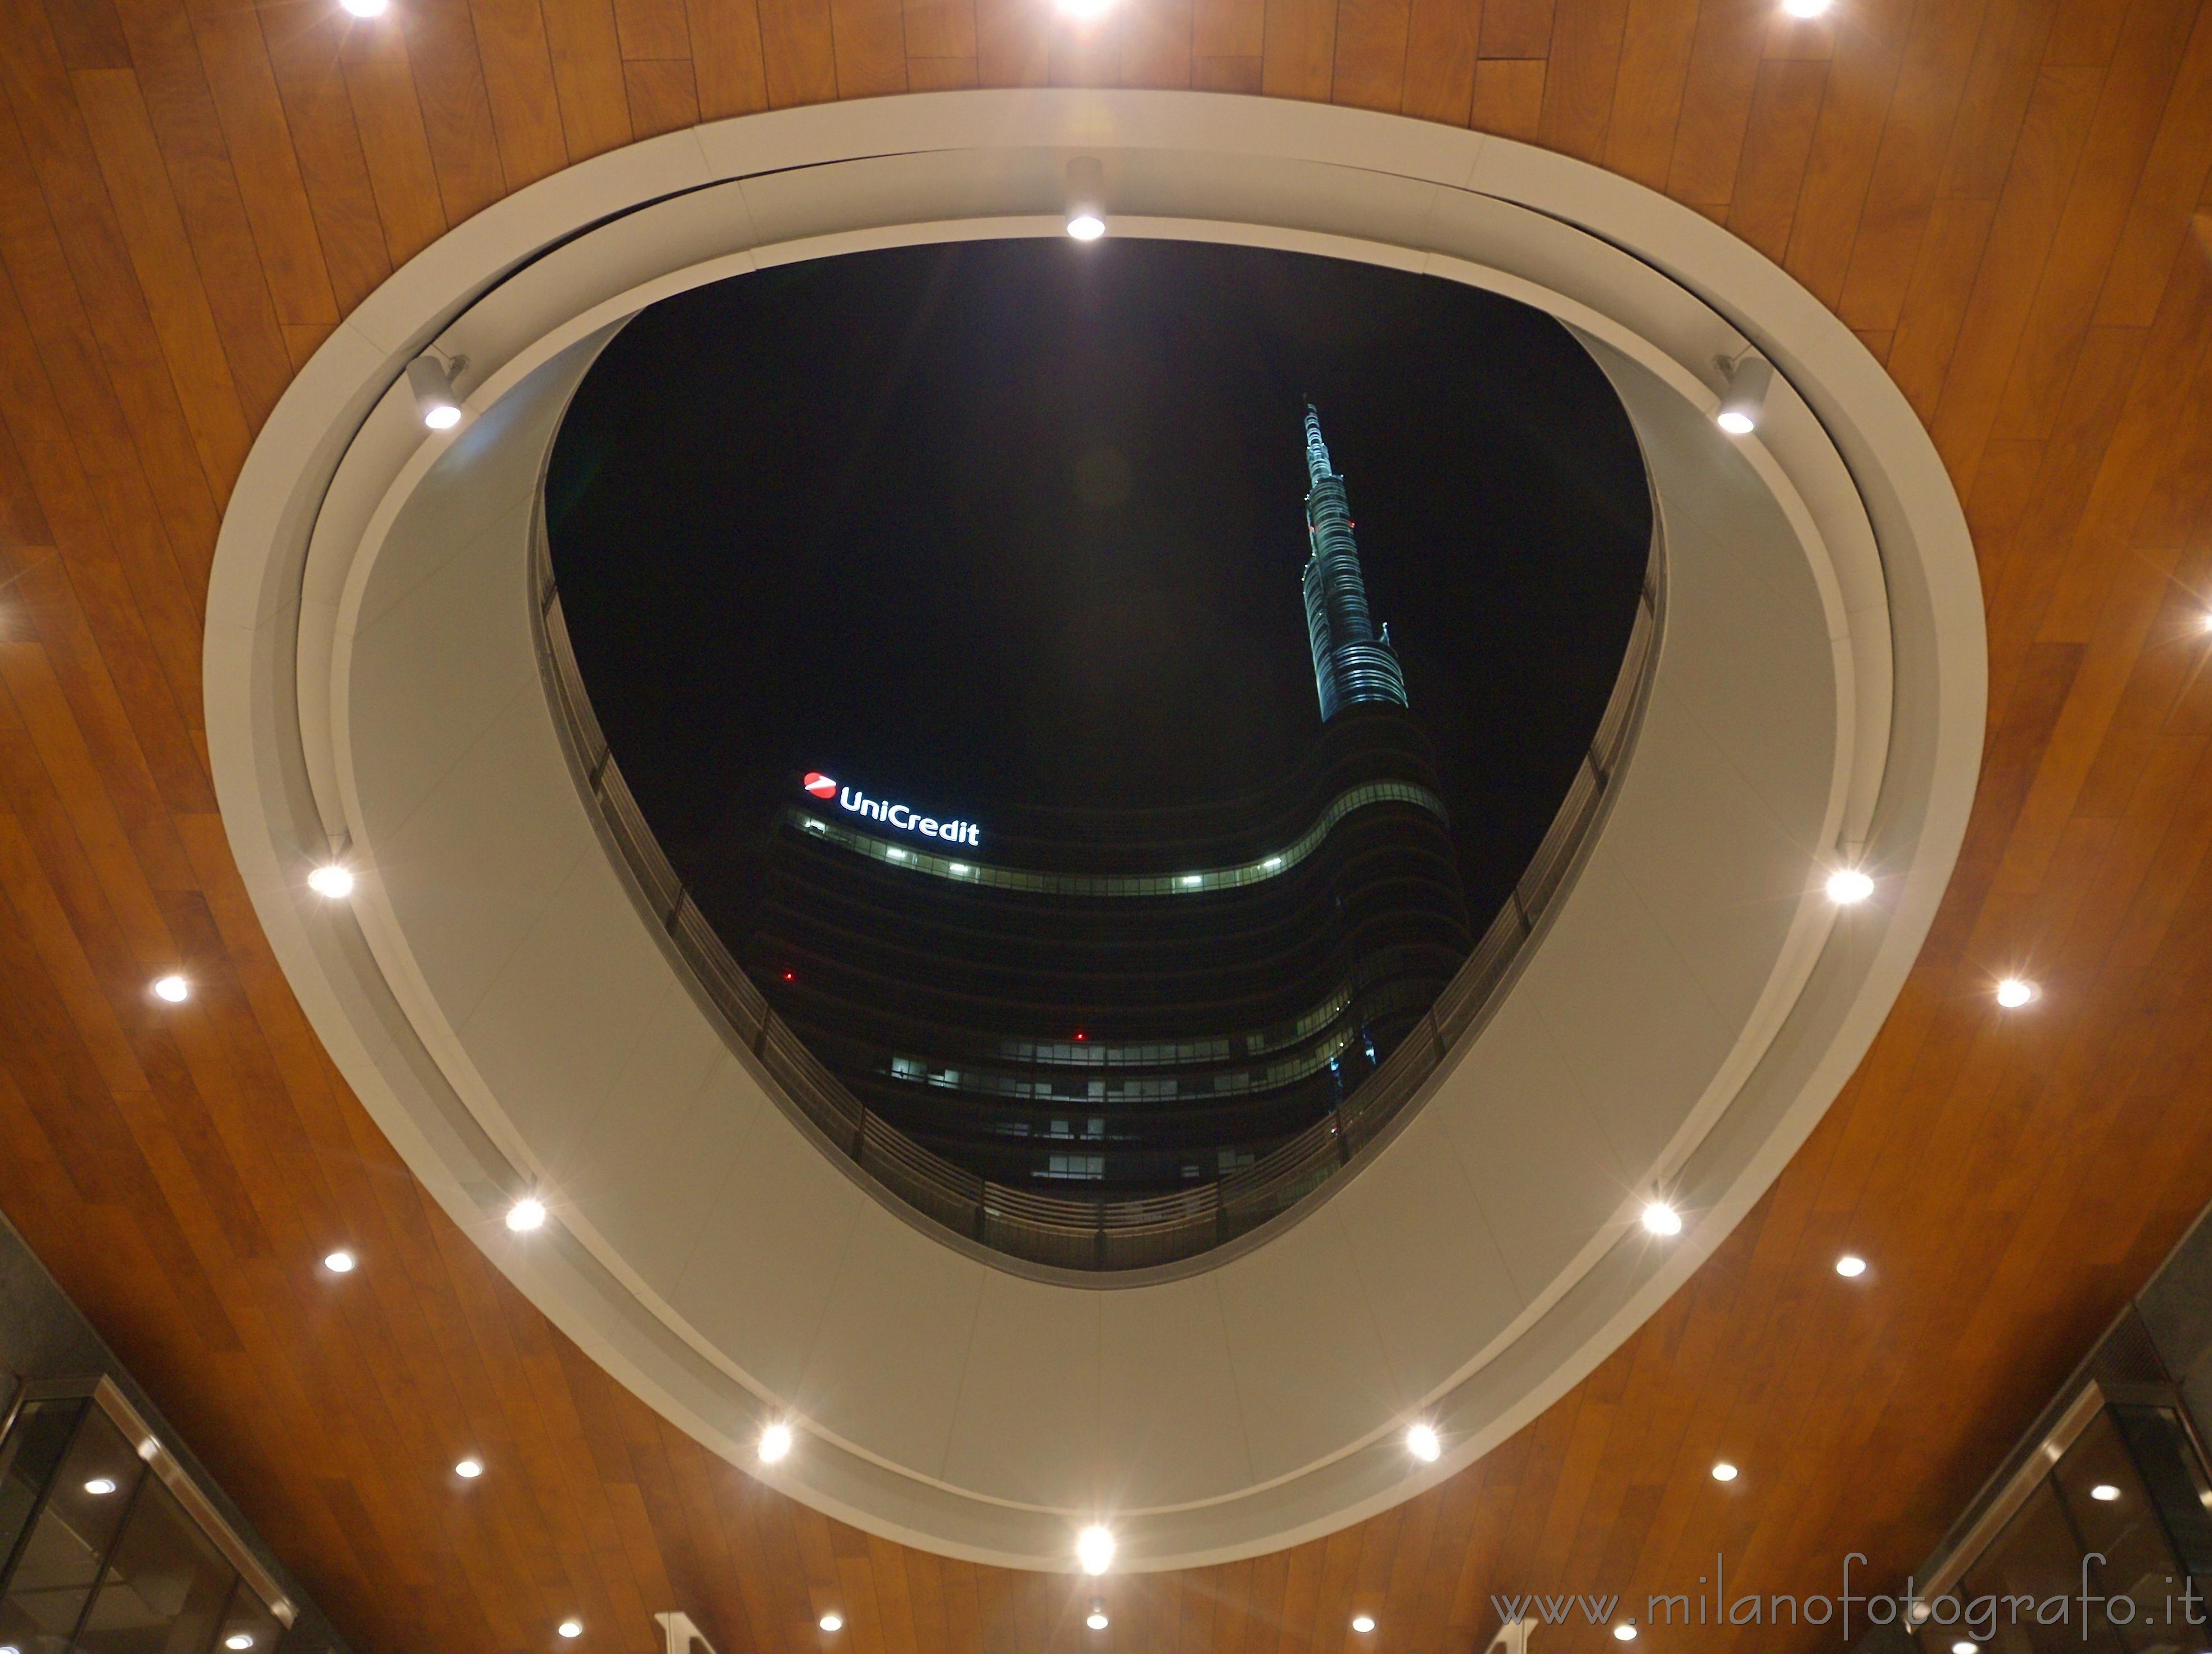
x=1132 y=1001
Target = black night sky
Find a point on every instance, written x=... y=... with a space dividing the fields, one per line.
x=1019 y=523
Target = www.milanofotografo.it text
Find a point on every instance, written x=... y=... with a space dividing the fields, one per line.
x=1978 y=1615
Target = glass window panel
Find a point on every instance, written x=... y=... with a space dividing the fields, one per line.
x=61 y=1557
x=247 y=1619
x=166 y=1585
x=2036 y=1557
x=2111 y=1513
x=27 y=1458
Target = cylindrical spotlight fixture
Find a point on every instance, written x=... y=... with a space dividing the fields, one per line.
x=1744 y=403
x=432 y=381
x=1086 y=198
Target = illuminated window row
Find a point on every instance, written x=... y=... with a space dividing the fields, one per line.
x=1196 y=882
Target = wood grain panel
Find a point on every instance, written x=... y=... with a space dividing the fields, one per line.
x=2005 y=198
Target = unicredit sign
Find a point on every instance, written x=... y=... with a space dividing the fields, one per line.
x=906 y=819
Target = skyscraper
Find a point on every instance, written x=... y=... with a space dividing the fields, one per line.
x=1352 y=662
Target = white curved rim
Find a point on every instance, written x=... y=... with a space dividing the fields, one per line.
x=1901 y=584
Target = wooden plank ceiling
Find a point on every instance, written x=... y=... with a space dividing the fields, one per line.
x=2004 y=198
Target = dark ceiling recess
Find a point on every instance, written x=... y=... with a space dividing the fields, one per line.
x=1015 y=533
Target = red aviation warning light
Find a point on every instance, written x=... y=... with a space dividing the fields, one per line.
x=820 y=785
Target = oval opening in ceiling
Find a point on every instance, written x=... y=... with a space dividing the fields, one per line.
x=990 y=640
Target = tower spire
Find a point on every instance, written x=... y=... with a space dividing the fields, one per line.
x=1351 y=663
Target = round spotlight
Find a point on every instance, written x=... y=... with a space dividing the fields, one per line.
x=526 y=1215
x=1421 y=1442
x=339 y=1262
x=1086 y=178
x=833 y=1621
x=238 y=1639
x=333 y=881
x=366 y=8
x=570 y=1628
x=100 y=1486
x=1362 y=1623
x=1850 y=1266
x=1806 y=8
x=469 y=1469
x=1096 y=1619
x=1724 y=1471
x=1749 y=378
x=2104 y=1493
x=171 y=989
x=1848 y=886
x=1624 y=1633
x=775 y=1444
x=1086 y=227
x=1661 y=1218
x=2013 y=993
x=1094 y=1549
x=432 y=383
x=1962 y=1646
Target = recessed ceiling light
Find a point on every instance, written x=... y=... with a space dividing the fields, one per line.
x=1724 y=1471
x=1661 y=1218
x=366 y=8
x=339 y=1262
x=833 y=1621
x=171 y=989
x=1848 y=886
x=1096 y=1619
x=1625 y=1633
x=332 y=880
x=2013 y=993
x=469 y=1469
x=1362 y=1623
x=1094 y=1549
x=238 y=1639
x=1421 y=1442
x=2104 y=1493
x=571 y=1628
x=1962 y=1646
x=1805 y=8
x=100 y=1486
x=775 y=1444
x=1084 y=11
x=1086 y=227
x=526 y=1215
x=1850 y=1266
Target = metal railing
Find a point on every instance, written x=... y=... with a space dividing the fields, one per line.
x=1060 y=1231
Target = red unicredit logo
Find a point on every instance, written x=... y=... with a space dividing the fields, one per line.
x=820 y=785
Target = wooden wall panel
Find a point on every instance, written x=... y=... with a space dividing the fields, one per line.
x=2005 y=198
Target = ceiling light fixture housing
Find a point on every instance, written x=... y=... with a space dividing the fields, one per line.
x=469 y=1469
x=570 y=1628
x=432 y=382
x=1086 y=193
x=173 y=989
x=1362 y=1623
x=1724 y=1471
x=1850 y=1266
x=2104 y=1493
x=1743 y=405
x=1096 y=1619
x=1624 y=1633
x=238 y=1639
x=832 y=1620
x=339 y=1262
x=100 y=1486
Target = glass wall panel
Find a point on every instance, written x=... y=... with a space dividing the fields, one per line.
x=61 y=1559
x=166 y=1586
x=27 y=1458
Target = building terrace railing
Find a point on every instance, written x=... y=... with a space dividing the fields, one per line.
x=1069 y=1232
